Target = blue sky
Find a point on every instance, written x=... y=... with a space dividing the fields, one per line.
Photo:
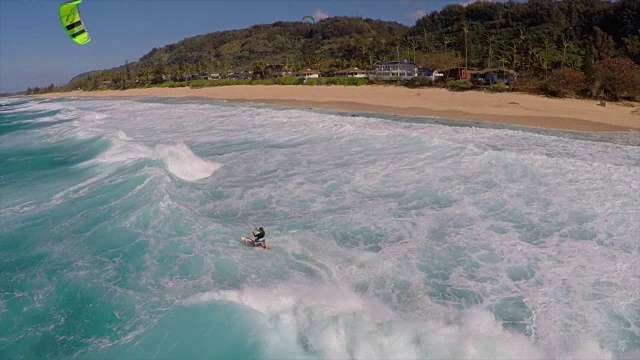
x=35 y=51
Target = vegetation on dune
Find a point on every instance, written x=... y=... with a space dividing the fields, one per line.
x=563 y=48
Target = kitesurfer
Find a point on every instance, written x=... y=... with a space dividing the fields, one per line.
x=259 y=238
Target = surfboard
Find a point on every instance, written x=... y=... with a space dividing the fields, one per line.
x=246 y=240
x=250 y=242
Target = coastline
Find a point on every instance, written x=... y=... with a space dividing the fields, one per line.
x=500 y=108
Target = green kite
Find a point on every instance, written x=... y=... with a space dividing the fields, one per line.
x=70 y=18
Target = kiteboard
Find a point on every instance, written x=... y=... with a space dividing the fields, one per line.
x=246 y=240
x=251 y=243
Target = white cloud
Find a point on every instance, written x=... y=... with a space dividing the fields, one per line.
x=416 y=14
x=319 y=15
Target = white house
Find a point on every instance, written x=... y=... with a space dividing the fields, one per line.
x=394 y=70
x=307 y=73
x=352 y=72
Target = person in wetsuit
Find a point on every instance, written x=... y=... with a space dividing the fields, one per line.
x=259 y=238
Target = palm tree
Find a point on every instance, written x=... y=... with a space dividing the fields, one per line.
x=287 y=64
x=412 y=44
x=425 y=34
x=465 y=31
x=522 y=38
x=490 y=39
x=509 y=51
x=565 y=46
x=259 y=65
x=396 y=43
x=315 y=63
x=546 y=42
x=224 y=69
x=363 y=51
x=446 y=40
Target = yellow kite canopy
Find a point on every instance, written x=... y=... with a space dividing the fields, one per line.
x=70 y=18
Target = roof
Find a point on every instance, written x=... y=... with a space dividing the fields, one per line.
x=354 y=69
x=496 y=70
x=396 y=63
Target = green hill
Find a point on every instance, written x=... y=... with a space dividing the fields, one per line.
x=533 y=38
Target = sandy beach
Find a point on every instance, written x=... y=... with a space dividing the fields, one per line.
x=504 y=108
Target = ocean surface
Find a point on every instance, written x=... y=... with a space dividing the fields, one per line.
x=391 y=237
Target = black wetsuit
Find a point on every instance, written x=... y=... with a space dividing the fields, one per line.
x=259 y=236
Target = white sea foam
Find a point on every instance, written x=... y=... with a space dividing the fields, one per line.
x=413 y=235
x=183 y=163
x=336 y=323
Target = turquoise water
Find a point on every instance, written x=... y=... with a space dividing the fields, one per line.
x=395 y=238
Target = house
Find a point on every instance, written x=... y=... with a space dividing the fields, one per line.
x=394 y=70
x=214 y=76
x=277 y=70
x=431 y=74
x=241 y=75
x=494 y=75
x=307 y=73
x=459 y=73
x=352 y=72
x=271 y=71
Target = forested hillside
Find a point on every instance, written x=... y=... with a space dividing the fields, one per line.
x=574 y=39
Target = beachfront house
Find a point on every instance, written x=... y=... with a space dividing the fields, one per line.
x=394 y=70
x=271 y=71
x=494 y=75
x=240 y=75
x=459 y=73
x=352 y=72
x=431 y=74
x=277 y=70
x=306 y=73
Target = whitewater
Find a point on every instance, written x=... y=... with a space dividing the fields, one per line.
x=391 y=237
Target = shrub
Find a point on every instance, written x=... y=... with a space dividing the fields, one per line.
x=345 y=81
x=565 y=82
x=618 y=77
x=417 y=82
x=171 y=84
x=228 y=82
x=498 y=87
x=289 y=80
x=528 y=84
x=459 y=85
x=199 y=83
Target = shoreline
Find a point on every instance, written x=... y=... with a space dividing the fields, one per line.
x=498 y=108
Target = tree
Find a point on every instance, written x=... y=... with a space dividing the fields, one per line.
x=490 y=39
x=465 y=31
x=602 y=44
x=521 y=43
x=440 y=61
x=445 y=40
x=632 y=45
x=258 y=68
x=565 y=47
x=128 y=71
x=618 y=77
x=425 y=35
x=546 y=56
x=567 y=82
